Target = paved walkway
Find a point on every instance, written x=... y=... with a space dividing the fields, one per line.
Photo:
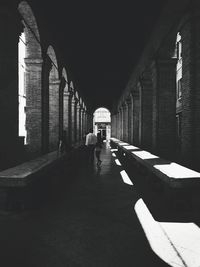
x=91 y=223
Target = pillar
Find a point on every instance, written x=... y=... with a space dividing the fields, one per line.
x=164 y=107
x=129 y=120
x=54 y=114
x=78 y=128
x=136 y=111
x=73 y=120
x=67 y=115
x=146 y=105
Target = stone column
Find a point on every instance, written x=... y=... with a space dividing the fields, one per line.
x=164 y=107
x=146 y=104
x=82 y=123
x=67 y=115
x=54 y=114
x=126 y=121
x=190 y=126
x=129 y=120
x=34 y=104
x=113 y=125
x=118 y=125
x=121 y=123
x=73 y=120
x=136 y=107
x=78 y=128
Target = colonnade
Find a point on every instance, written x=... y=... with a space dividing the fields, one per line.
x=160 y=106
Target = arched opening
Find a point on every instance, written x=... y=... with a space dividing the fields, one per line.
x=102 y=123
x=29 y=80
x=178 y=54
x=65 y=104
x=21 y=87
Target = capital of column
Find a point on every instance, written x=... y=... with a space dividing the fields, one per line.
x=74 y=100
x=129 y=101
x=124 y=105
x=55 y=82
x=67 y=94
x=33 y=60
x=134 y=94
x=78 y=106
x=33 y=64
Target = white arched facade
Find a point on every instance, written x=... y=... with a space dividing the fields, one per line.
x=102 y=122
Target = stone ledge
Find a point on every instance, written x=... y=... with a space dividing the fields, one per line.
x=21 y=175
x=175 y=175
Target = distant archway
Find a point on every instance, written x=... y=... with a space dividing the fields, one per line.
x=102 y=122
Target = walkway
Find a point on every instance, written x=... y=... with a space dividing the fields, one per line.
x=92 y=223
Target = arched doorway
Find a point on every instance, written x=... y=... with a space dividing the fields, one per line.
x=102 y=123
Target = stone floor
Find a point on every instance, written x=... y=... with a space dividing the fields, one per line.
x=90 y=223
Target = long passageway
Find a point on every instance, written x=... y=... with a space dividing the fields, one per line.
x=92 y=223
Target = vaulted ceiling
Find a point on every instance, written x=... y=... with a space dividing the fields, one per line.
x=101 y=41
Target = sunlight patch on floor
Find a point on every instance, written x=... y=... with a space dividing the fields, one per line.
x=126 y=178
x=178 y=244
x=118 y=162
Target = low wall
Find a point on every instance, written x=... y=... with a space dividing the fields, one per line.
x=164 y=184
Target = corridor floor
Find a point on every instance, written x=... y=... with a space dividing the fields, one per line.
x=91 y=223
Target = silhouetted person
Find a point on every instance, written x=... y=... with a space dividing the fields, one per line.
x=98 y=151
x=90 y=142
x=99 y=139
x=62 y=145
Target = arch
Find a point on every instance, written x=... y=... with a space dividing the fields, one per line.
x=29 y=86
x=64 y=75
x=77 y=95
x=31 y=30
x=54 y=75
x=28 y=17
x=71 y=86
x=102 y=122
x=102 y=109
x=63 y=105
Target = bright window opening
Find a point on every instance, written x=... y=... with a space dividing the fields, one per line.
x=21 y=87
x=179 y=66
x=126 y=178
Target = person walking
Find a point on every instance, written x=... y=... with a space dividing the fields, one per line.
x=98 y=152
x=90 y=142
x=98 y=149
